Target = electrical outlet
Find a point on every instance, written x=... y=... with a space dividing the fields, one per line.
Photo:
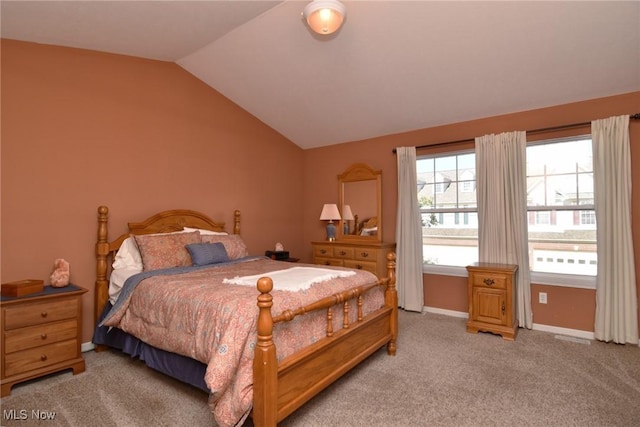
x=542 y=297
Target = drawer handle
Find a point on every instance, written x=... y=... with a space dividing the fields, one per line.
x=43 y=357
x=488 y=281
x=322 y=251
x=327 y=263
x=43 y=314
x=358 y=266
x=503 y=308
x=364 y=254
x=343 y=253
x=43 y=336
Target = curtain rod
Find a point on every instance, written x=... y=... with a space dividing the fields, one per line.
x=534 y=131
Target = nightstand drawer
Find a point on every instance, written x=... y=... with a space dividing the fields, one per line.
x=329 y=261
x=343 y=253
x=35 y=336
x=39 y=357
x=361 y=265
x=490 y=280
x=38 y=313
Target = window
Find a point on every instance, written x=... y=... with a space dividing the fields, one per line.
x=542 y=218
x=560 y=204
x=562 y=220
x=447 y=200
x=587 y=217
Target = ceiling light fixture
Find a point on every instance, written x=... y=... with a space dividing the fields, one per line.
x=324 y=16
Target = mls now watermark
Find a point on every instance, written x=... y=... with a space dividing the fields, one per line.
x=24 y=414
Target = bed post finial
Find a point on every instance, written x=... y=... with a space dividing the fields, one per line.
x=102 y=250
x=265 y=364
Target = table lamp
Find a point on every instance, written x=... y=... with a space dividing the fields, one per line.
x=330 y=213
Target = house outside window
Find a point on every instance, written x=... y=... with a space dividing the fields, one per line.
x=560 y=204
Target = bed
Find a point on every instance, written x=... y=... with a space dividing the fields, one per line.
x=356 y=314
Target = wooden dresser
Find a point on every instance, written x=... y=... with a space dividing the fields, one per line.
x=492 y=299
x=354 y=254
x=41 y=334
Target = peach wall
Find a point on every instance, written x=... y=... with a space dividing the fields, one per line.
x=454 y=299
x=571 y=308
x=82 y=128
x=568 y=307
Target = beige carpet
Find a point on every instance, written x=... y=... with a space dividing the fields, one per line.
x=442 y=376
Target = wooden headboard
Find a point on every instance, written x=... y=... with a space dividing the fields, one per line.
x=163 y=222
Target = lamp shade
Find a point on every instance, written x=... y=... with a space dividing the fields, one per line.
x=330 y=212
x=324 y=16
x=346 y=213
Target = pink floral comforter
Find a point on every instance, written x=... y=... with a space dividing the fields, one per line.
x=196 y=315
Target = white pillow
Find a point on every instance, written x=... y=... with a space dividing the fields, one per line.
x=204 y=232
x=128 y=256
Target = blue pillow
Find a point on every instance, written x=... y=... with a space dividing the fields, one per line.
x=207 y=253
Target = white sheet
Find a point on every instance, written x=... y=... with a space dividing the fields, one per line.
x=117 y=279
x=292 y=279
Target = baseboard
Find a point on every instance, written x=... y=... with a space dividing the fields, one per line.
x=536 y=326
x=564 y=331
x=87 y=346
x=452 y=313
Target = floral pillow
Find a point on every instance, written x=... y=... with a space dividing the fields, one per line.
x=166 y=250
x=233 y=243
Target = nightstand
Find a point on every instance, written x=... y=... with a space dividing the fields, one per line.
x=492 y=299
x=41 y=334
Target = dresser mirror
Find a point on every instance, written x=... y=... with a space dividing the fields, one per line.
x=360 y=203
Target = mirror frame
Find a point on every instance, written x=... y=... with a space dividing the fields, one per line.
x=355 y=173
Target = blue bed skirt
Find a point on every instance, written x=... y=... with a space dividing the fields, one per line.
x=175 y=365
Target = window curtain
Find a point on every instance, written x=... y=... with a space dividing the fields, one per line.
x=616 y=294
x=502 y=210
x=408 y=233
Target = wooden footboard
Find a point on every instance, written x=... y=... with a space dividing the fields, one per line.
x=279 y=389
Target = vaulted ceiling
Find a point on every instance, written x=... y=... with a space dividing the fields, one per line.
x=394 y=66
